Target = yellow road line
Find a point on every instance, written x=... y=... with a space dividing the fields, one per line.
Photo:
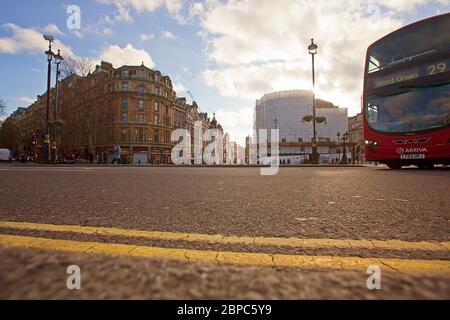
x=262 y=241
x=239 y=258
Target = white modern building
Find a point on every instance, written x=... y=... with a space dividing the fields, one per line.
x=291 y=112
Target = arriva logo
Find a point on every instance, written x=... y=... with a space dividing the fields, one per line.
x=411 y=150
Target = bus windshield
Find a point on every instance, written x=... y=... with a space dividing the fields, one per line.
x=410 y=44
x=417 y=109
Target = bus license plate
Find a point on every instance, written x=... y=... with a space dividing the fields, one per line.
x=412 y=156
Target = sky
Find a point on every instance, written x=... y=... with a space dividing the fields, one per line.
x=226 y=53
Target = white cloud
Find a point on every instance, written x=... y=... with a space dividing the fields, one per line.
x=186 y=71
x=236 y=123
x=25 y=101
x=146 y=37
x=123 y=7
x=174 y=8
x=179 y=88
x=122 y=13
x=270 y=53
x=106 y=20
x=127 y=55
x=399 y=5
x=108 y=32
x=196 y=9
x=7 y=45
x=77 y=33
x=168 y=35
x=28 y=40
x=53 y=29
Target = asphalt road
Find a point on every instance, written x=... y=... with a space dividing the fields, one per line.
x=371 y=203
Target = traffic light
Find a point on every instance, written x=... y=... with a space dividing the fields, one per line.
x=34 y=138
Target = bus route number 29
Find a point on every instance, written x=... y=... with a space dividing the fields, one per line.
x=437 y=68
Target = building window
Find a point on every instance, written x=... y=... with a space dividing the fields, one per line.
x=140 y=89
x=300 y=139
x=156 y=106
x=124 y=103
x=141 y=118
x=156 y=90
x=156 y=136
x=140 y=104
x=124 y=117
x=167 y=109
x=155 y=119
x=167 y=136
x=125 y=87
x=124 y=135
x=283 y=139
x=141 y=74
x=125 y=73
x=140 y=135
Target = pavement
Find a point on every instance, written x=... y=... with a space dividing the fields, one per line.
x=224 y=233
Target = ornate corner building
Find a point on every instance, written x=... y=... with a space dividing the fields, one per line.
x=134 y=107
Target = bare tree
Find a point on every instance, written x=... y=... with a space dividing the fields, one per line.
x=2 y=108
x=78 y=66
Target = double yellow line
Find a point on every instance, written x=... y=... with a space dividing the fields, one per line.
x=227 y=257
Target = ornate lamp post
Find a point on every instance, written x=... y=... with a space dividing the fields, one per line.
x=46 y=135
x=312 y=49
x=58 y=59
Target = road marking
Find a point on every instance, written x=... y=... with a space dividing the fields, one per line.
x=46 y=170
x=228 y=257
x=262 y=241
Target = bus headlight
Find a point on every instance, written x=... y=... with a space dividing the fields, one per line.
x=371 y=142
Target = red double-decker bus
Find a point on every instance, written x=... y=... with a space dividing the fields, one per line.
x=406 y=99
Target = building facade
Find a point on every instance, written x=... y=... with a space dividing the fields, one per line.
x=291 y=113
x=134 y=107
x=356 y=134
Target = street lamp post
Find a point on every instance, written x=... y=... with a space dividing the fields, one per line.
x=312 y=48
x=275 y=122
x=46 y=135
x=58 y=60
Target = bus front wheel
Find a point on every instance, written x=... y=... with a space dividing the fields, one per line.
x=394 y=165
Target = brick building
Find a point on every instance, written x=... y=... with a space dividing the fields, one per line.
x=131 y=106
x=356 y=135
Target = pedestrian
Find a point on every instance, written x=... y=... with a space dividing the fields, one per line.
x=116 y=154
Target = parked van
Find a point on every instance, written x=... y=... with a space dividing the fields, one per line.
x=5 y=155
